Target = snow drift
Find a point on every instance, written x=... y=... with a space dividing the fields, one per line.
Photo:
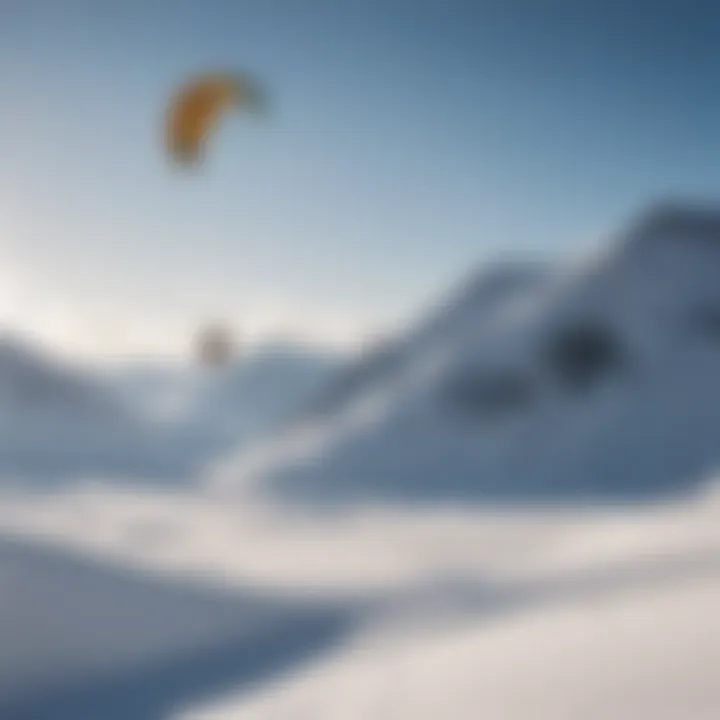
x=177 y=604
x=83 y=641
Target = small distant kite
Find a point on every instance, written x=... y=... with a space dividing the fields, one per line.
x=215 y=347
x=197 y=107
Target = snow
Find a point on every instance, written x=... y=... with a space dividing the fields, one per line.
x=58 y=421
x=639 y=657
x=144 y=423
x=399 y=613
x=379 y=555
x=83 y=640
x=248 y=396
x=648 y=428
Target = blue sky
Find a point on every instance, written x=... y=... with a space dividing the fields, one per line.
x=409 y=141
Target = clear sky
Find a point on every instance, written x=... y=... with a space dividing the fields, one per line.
x=409 y=141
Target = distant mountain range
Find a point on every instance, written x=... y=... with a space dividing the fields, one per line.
x=141 y=421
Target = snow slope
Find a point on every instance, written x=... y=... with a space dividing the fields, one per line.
x=249 y=396
x=83 y=641
x=265 y=388
x=165 y=424
x=178 y=605
x=212 y=411
x=57 y=421
x=638 y=657
x=488 y=401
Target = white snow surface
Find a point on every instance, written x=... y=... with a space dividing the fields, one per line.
x=390 y=556
x=380 y=612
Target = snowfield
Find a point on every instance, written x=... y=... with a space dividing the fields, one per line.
x=177 y=605
x=510 y=512
x=82 y=640
x=639 y=657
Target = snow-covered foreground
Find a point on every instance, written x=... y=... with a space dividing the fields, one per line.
x=83 y=640
x=641 y=656
x=178 y=604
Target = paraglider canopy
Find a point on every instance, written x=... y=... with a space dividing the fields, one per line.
x=215 y=346
x=197 y=107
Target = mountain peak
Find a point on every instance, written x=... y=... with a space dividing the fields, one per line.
x=679 y=220
x=605 y=388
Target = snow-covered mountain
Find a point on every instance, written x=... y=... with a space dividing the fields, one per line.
x=149 y=423
x=58 y=421
x=217 y=409
x=594 y=378
x=266 y=387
